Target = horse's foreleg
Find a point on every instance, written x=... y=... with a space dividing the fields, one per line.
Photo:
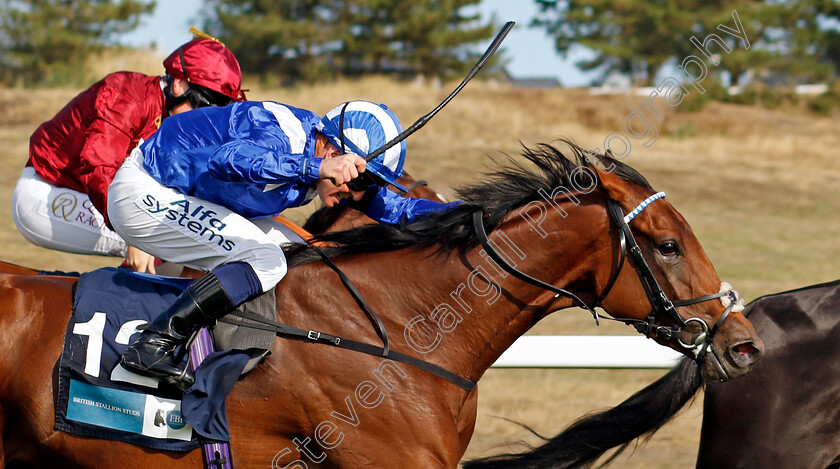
x=2 y=438
x=466 y=419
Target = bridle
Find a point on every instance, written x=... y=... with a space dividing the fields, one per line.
x=662 y=306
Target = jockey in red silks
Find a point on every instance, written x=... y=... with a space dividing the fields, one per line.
x=60 y=200
x=199 y=192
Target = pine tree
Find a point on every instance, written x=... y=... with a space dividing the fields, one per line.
x=410 y=37
x=283 y=38
x=46 y=41
x=301 y=40
x=636 y=37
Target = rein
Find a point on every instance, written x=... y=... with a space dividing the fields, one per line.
x=661 y=304
x=416 y=184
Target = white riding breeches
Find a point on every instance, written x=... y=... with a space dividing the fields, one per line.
x=191 y=231
x=62 y=219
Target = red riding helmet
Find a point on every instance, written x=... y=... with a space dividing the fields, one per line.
x=207 y=63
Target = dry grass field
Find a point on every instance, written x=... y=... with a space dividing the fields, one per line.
x=758 y=187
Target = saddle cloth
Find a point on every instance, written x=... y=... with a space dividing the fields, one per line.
x=99 y=398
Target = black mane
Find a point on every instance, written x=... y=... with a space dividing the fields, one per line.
x=323 y=218
x=501 y=191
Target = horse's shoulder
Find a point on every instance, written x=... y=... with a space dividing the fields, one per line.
x=801 y=312
x=804 y=298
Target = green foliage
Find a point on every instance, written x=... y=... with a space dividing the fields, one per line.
x=827 y=103
x=820 y=106
x=636 y=37
x=46 y=42
x=301 y=40
x=684 y=131
x=410 y=37
x=767 y=97
x=281 y=38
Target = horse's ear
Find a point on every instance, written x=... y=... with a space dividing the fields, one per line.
x=604 y=168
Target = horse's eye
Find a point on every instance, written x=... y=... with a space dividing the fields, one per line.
x=669 y=249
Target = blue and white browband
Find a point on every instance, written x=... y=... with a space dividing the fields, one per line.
x=642 y=206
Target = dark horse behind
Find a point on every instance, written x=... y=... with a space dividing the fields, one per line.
x=784 y=414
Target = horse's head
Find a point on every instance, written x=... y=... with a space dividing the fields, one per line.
x=691 y=316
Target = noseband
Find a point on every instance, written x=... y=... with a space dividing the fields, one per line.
x=662 y=306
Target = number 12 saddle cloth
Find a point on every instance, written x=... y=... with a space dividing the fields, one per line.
x=99 y=398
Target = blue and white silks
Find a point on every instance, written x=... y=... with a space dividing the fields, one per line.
x=255 y=158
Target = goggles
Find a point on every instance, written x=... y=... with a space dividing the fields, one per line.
x=203 y=97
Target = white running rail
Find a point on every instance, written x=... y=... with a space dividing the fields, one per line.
x=590 y=351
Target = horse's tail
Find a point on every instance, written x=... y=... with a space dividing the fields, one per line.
x=586 y=440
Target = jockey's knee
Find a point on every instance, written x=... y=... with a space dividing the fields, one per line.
x=269 y=264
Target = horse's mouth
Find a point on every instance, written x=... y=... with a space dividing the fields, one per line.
x=731 y=363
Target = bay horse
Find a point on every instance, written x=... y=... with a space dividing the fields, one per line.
x=783 y=414
x=442 y=299
x=9 y=268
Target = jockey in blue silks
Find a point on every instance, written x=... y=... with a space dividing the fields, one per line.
x=199 y=190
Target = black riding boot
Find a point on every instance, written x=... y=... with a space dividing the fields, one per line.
x=153 y=352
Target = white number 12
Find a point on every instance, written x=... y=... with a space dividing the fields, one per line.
x=94 y=329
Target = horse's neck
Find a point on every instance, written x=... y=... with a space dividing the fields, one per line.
x=478 y=310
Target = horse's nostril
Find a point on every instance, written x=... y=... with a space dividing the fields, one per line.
x=746 y=353
x=745 y=349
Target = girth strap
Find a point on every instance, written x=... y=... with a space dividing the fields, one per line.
x=349 y=344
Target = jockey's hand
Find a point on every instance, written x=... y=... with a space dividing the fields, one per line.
x=139 y=261
x=342 y=168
